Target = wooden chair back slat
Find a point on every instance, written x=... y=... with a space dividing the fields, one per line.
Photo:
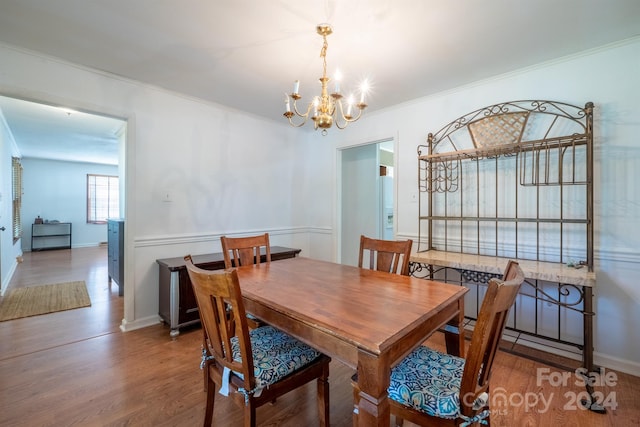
x=239 y=251
x=386 y=255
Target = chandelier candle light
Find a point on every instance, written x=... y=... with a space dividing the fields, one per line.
x=325 y=109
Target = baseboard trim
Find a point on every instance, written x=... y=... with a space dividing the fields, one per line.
x=5 y=284
x=566 y=359
x=616 y=364
x=557 y=356
x=127 y=326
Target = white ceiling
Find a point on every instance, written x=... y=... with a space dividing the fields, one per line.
x=246 y=54
x=44 y=131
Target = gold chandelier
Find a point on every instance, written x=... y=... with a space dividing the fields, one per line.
x=325 y=109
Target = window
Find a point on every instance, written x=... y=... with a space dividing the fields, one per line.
x=103 y=198
x=16 y=184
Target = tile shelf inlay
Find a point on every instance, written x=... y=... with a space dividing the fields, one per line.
x=537 y=270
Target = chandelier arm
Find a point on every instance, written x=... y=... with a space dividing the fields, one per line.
x=341 y=120
x=346 y=121
x=297 y=125
x=339 y=116
x=296 y=113
x=353 y=119
x=295 y=110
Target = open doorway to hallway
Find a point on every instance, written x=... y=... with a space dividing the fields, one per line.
x=367 y=196
x=58 y=148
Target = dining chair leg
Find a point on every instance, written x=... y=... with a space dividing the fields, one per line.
x=249 y=415
x=206 y=378
x=205 y=367
x=323 y=399
x=211 y=397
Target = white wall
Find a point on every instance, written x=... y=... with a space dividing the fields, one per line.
x=225 y=172
x=8 y=249
x=609 y=78
x=228 y=172
x=58 y=190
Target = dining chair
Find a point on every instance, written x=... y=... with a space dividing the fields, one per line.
x=429 y=387
x=254 y=366
x=240 y=251
x=391 y=256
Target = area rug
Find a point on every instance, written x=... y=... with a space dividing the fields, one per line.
x=36 y=300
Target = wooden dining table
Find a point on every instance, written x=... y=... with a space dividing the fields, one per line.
x=367 y=319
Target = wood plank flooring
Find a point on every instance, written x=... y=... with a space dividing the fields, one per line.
x=77 y=368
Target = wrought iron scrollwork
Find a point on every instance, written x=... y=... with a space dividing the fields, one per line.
x=564 y=290
x=479 y=277
x=423 y=271
x=531 y=289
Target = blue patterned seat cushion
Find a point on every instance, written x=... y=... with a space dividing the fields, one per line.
x=428 y=381
x=275 y=354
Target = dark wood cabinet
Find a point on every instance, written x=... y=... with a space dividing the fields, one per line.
x=115 y=241
x=177 y=304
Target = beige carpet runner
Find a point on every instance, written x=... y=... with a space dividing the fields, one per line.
x=36 y=300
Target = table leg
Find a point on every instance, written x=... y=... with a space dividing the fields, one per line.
x=374 y=374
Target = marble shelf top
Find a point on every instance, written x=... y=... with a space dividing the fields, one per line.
x=549 y=271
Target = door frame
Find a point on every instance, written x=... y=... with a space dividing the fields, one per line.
x=126 y=162
x=338 y=189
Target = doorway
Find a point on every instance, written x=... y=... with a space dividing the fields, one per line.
x=367 y=196
x=44 y=135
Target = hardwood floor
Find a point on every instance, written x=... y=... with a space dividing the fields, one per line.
x=77 y=368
